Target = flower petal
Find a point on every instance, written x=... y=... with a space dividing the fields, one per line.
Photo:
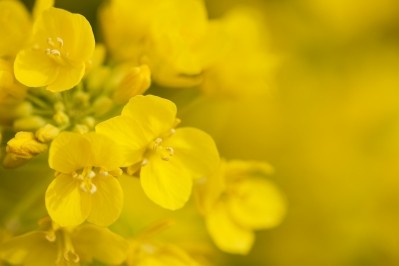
x=67 y=78
x=69 y=152
x=196 y=150
x=103 y=151
x=107 y=201
x=34 y=68
x=257 y=204
x=99 y=243
x=167 y=183
x=31 y=249
x=154 y=115
x=125 y=132
x=227 y=235
x=66 y=204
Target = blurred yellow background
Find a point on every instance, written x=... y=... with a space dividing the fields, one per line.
x=329 y=124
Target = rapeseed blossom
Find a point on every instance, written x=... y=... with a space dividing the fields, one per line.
x=77 y=116
x=168 y=159
x=85 y=186
x=238 y=200
x=57 y=54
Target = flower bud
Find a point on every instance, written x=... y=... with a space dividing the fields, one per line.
x=135 y=81
x=24 y=145
x=47 y=133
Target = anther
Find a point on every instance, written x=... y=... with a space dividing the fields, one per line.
x=144 y=162
x=91 y=175
x=55 y=52
x=60 y=41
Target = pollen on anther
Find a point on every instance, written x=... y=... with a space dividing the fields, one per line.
x=60 y=41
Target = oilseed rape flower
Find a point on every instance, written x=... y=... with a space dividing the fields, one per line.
x=56 y=57
x=237 y=200
x=169 y=159
x=91 y=140
x=52 y=245
x=85 y=187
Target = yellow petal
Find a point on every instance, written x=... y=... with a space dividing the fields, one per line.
x=167 y=183
x=69 y=152
x=31 y=249
x=66 y=203
x=73 y=29
x=196 y=150
x=227 y=235
x=124 y=131
x=154 y=115
x=209 y=189
x=67 y=78
x=15 y=27
x=99 y=243
x=257 y=204
x=107 y=201
x=103 y=152
x=34 y=68
x=40 y=6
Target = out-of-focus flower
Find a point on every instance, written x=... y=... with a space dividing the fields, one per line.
x=85 y=186
x=15 y=27
x=173 y=37
x=245 y=64
x=237 y=200
x=65 y=246
x=56 y=57
x=168 y=158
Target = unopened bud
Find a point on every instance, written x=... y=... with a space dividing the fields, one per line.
x=29 y=123
x=47 y=133
x=102 y=105
x=61 y=118
x=135 y=81
x=23 y=109
x=24 y=145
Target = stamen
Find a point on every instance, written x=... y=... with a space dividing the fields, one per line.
x=144 y=162
x=91 y=174
x=55 y=52
x=60 y=41
x=93 y=189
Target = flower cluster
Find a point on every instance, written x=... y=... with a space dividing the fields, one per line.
x=80 y=105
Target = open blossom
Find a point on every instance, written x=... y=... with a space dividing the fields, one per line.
x=65 y=246
x=237 y=200
x=56 y=57
x=85 y=187
x=169 y=159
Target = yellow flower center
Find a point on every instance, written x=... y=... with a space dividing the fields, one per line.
x=157 y=148
x=86 y=178
x=55 y=50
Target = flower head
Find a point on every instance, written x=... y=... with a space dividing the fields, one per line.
x=237 y=200
x=61 y=44
x=85 y=186
x=168 y=158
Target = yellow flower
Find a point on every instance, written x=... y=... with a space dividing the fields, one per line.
x=237 y=200
x=85 y=186
x=169 y=158
x=15 y=27
x=61 y=44
x=245 y=65
x=174 y=38
x=65 y=247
